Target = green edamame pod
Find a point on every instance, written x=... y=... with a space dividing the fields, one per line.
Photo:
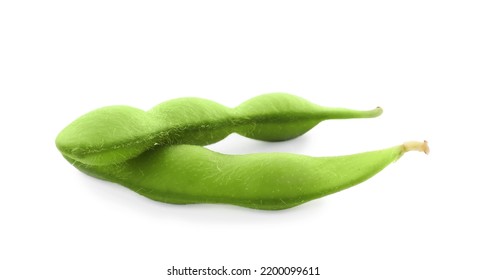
x=117 y=133
x=185 y=174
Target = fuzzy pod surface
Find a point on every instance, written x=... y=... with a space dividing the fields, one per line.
x=185 y=174
x=116 y=134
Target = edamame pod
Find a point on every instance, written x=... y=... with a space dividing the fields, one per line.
x=184 y=174
x=115 y=134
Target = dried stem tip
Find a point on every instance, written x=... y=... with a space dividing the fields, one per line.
x=416 y=146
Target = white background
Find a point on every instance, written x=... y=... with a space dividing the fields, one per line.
x=424 y=62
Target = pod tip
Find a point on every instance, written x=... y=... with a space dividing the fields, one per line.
x=416 y=146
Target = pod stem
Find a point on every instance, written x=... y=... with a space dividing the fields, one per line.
x=341 y=113
x=416 y=146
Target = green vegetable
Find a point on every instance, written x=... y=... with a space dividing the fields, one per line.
x=115 y=134
x=192 y=174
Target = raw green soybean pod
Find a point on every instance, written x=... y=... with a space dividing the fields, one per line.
x=184 y=174
x=115 y=134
